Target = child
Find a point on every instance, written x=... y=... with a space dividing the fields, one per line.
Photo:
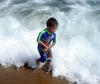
x=46 y=40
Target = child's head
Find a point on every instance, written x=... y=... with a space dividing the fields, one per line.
x=52 y=25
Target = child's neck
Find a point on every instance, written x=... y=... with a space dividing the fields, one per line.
x=48 y=31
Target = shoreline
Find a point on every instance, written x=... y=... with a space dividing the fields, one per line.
x=26 y=75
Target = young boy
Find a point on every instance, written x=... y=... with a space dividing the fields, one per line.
x=46 y=40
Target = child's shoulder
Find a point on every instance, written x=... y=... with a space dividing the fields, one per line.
x=43 y=32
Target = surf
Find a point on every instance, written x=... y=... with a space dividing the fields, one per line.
x=76 y=54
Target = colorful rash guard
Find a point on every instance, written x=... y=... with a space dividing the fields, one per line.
x=46 y=37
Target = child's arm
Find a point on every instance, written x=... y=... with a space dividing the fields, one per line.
x=51 y=45
x=41 y=35
x=54 y=41
x=44 y=45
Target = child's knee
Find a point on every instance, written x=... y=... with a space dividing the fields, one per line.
x=43 y=59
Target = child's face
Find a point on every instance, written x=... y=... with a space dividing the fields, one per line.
x=52 y=29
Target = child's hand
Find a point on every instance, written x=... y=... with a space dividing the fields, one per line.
x=46 y=48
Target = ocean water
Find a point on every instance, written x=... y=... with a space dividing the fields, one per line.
x=75 y=56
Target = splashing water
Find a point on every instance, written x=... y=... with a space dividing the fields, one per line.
x=76 y=54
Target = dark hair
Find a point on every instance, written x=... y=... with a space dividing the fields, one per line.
x=51 y=22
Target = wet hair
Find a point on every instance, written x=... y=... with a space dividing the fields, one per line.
x=51 y=22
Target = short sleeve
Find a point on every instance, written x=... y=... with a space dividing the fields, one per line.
x=40 y=36
x=54 y=39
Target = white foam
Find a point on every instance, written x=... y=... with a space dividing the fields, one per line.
x=76 y=56
x=17 y=44
x=77 y=61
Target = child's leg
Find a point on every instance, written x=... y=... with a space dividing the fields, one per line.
x=43 y=57
x=47 y=65
x=49 y=56
x=49 y=53
x=37 y=62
